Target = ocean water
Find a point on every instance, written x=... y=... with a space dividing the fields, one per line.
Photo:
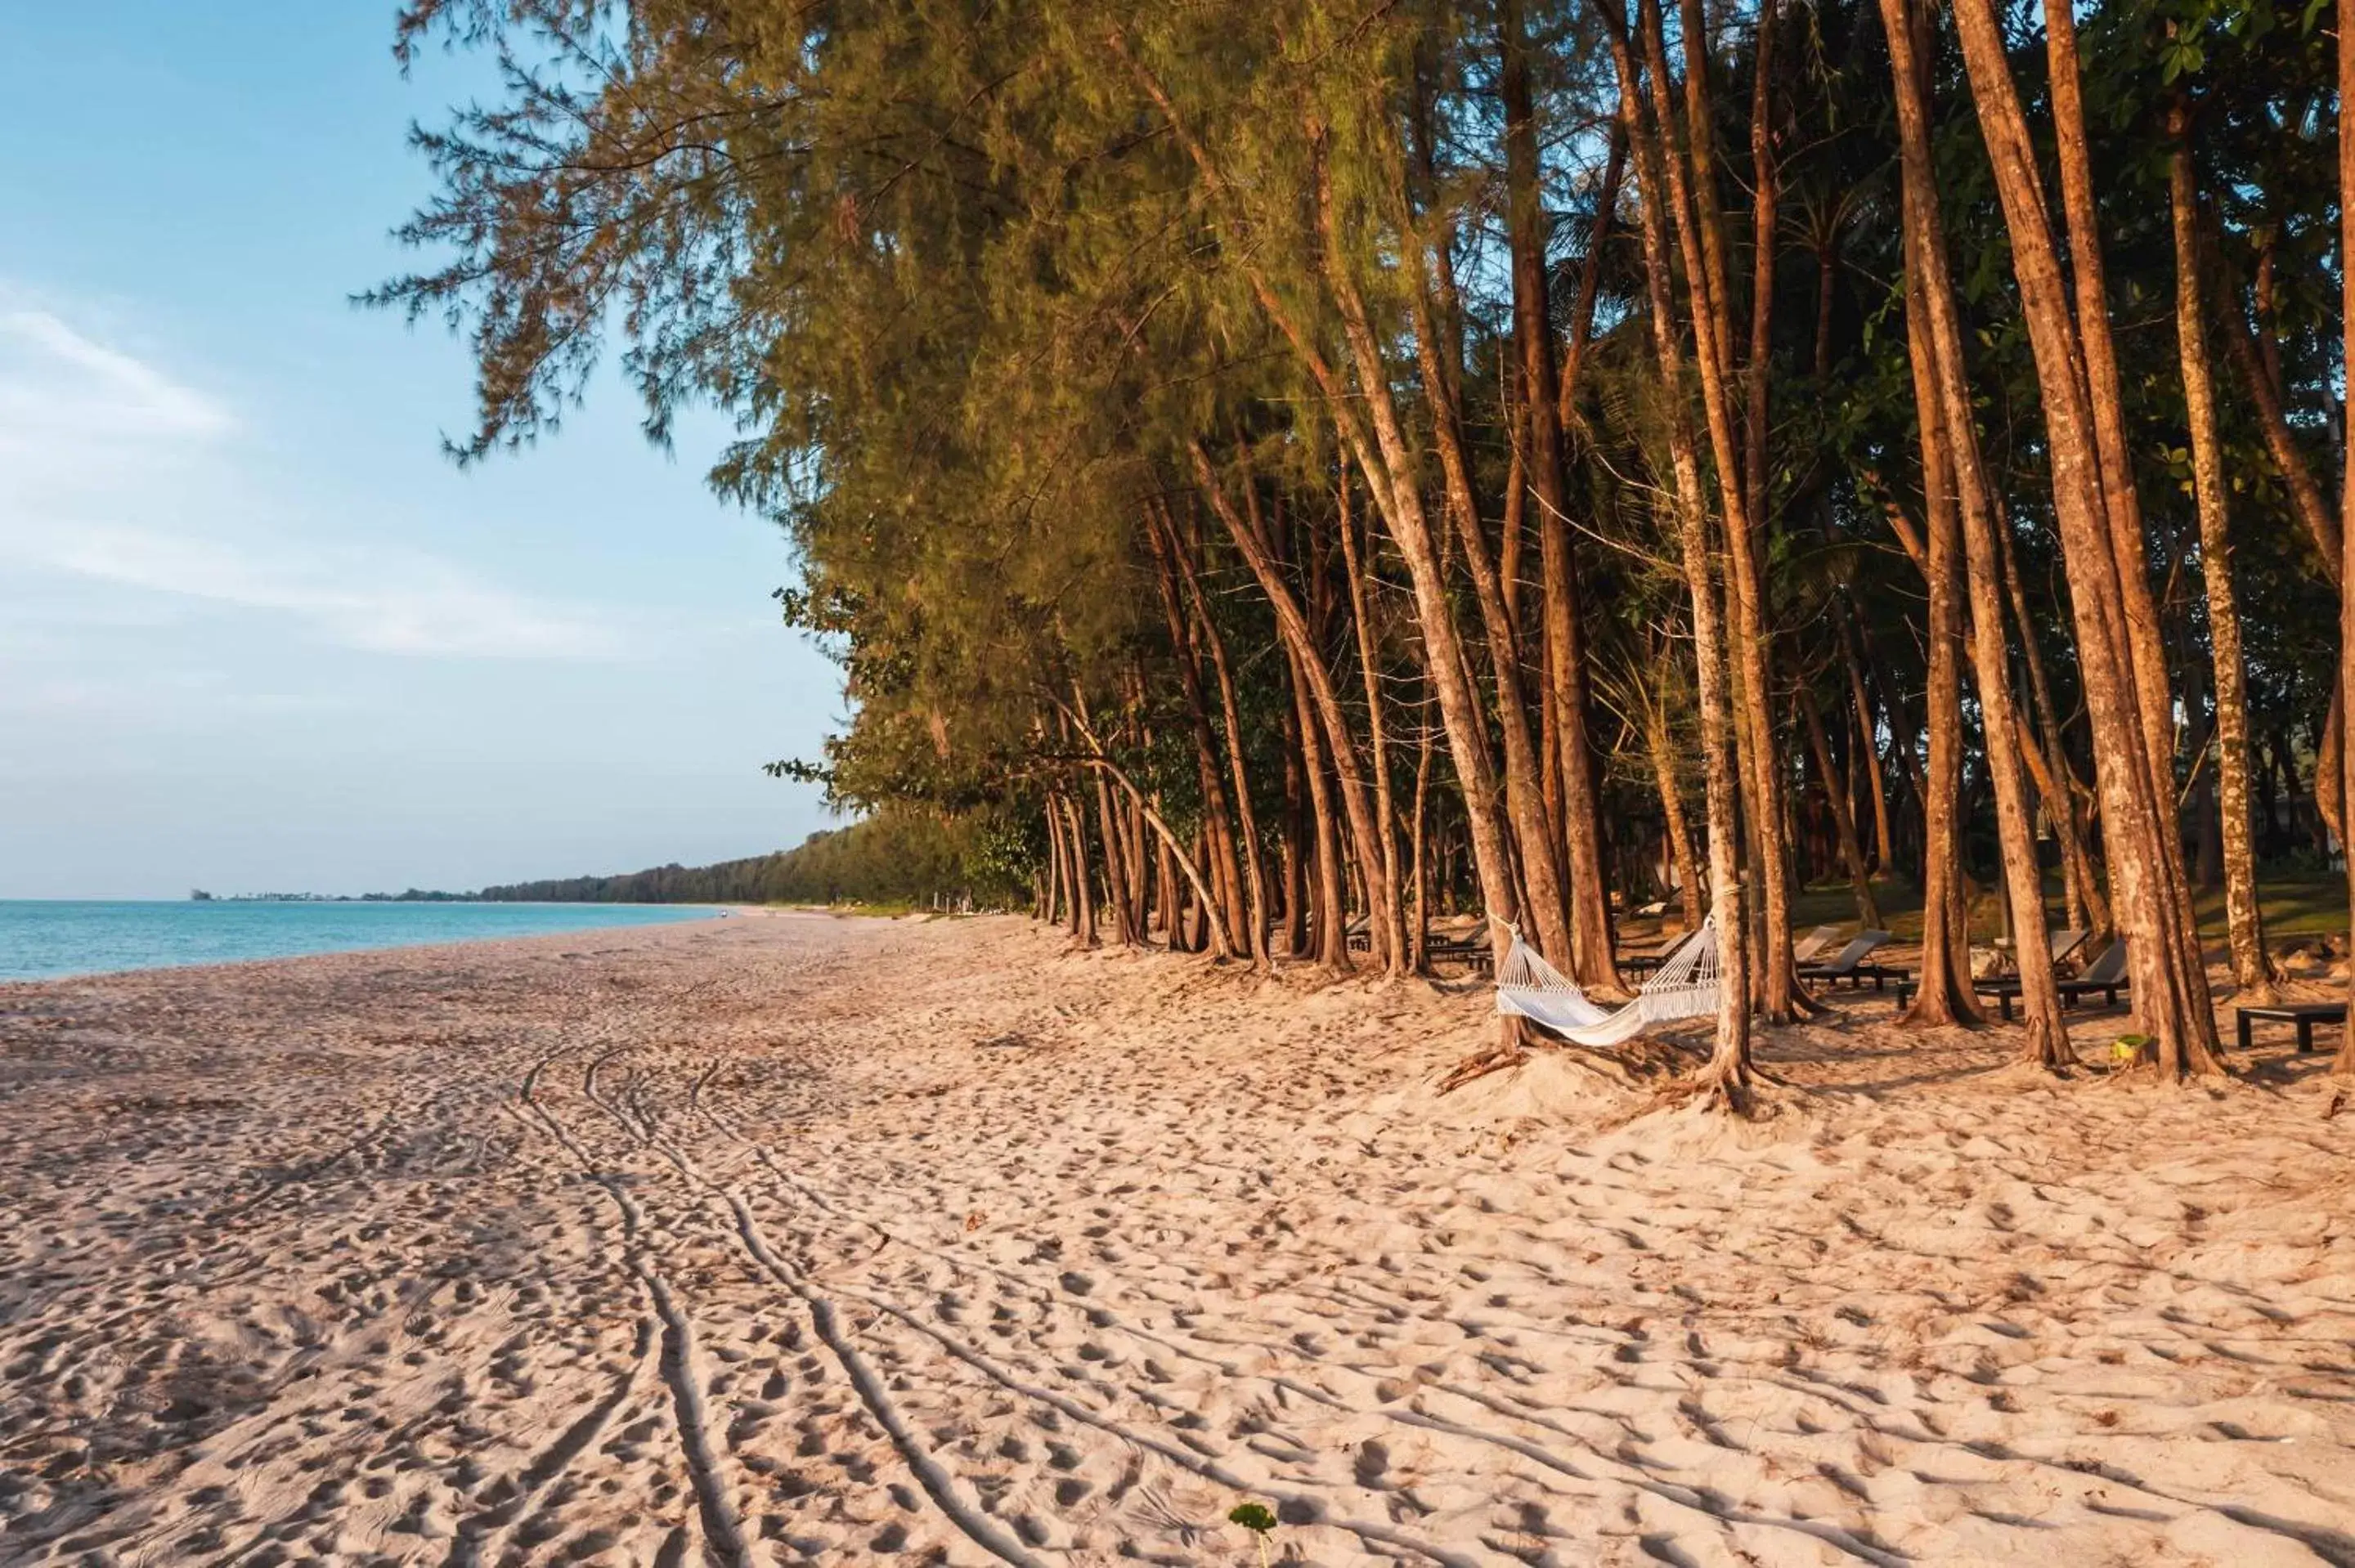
x=45 y=938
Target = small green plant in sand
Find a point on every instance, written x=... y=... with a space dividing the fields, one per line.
x=1258 y=1521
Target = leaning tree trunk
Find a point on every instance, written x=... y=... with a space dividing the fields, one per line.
x=2245 y=924
x=1323 y=705
x=1115 y=866
x=1687 y=155
x=1534 y=836
x=1946 y=996
x=1232 y=903
x=1572 y=752
x=1369 y=665
x=1727 y=1079
x=1393 y=476
x=2146 y=652
x=2170 y=989
x=1835 y=791
x=2047 y=1041
x=2344 y=1067
x=2272 y=423
x=1331 y=903
x=1390 y=472
x=2047 y=753
x=1231 y=712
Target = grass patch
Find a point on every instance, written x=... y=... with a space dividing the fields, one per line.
x=2295 y=903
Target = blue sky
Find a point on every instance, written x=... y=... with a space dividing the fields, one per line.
x=255 y=631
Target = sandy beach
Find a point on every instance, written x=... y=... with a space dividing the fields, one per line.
x=789 y=1238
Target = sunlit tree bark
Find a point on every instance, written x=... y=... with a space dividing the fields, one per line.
x=2245 y=924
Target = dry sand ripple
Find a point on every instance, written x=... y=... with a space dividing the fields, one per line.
x=794 y=1239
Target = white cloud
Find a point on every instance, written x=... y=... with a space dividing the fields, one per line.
x=56 y=381
x=378 y=600
x=121 y=473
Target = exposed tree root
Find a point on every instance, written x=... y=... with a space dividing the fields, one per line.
x=1634 y=1064
x=1480 y=1064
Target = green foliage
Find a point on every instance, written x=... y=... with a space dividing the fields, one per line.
x=896 y=857
x=976 y=280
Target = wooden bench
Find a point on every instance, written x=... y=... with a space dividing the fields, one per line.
x=2304 y=1014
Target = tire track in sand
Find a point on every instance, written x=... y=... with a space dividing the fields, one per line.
x=1204 y=1466
x=723 y=1529
x=923 y=1467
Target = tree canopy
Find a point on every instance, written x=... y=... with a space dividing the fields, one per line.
x=1321 y=466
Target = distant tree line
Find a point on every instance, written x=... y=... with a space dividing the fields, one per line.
x=896 y=857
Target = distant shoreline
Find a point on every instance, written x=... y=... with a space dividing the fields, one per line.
x=45 y=939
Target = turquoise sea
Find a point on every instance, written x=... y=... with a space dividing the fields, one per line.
x=44 y=939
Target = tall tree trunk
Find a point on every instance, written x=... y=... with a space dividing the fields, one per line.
x=1590 y=280
x=1728 y=1075
x=1693 y=206
x=1238 y=911
x=1051 y=904
x=1391 y=472
x=1769 y=788
x=2047 y=1041
x=1836 y=791
x=1115 y=869
x=1401 y=956
x=2344 y=1064
x=1421 y=930
x=1946 y=996
x=1868 y=735
x=2097 y=362
x=1255 y=885
x=1684 y=858
x=2244 y=923
x=1084 y=907
x=2146 y=652
x=2148 y=894
x=1297 y=835
x=1533 y=835
x=1331 y=903
x=1324 y=704
x=1588 y=946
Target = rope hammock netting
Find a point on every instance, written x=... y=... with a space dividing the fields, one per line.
x=1684 y=986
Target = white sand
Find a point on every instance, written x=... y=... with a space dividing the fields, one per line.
x=792 y=1239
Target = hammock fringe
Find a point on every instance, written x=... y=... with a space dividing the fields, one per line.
x=1684 y=986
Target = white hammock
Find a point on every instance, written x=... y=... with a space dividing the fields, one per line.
x=1684 y=986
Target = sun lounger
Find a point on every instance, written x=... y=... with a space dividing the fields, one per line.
x=1810 y=947
x=1478 y=951
x=2005 y=989
x=1651 y=963
x=1645 y=963
x=1849 y=964
x=2105 y=975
